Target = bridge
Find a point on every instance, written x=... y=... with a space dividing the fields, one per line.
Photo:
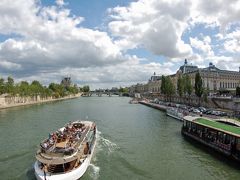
x=104 y=93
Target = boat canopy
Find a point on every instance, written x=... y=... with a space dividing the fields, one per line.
x=214 y=124
x=65 y=145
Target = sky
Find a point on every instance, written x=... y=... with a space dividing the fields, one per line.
x=109 y=43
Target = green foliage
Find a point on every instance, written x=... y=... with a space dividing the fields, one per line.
x=187 y=85
x=23 y=88
x=85 y=88
x=180 y=86
x=163 y=85
x=57 y=90
x=123 y=90
x=9 y=86
x=35 y=89
x=205 y=95
x=72 y=89
x=198 y=85
x=170 y=88
x=167 y=86
x=2 y=86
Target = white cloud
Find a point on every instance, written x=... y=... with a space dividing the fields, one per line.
x=51 y=39
x=159 y=25
x=60 y=2
x=156 y=25
x=9 y=65
x=219 y=12
x=232 y=43
x=48 y=42
x=202 y=45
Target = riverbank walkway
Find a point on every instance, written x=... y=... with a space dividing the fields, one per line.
x=212 y=117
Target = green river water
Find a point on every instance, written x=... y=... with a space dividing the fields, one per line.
x=135 y=142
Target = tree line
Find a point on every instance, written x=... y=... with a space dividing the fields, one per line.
x=184 y=86
x=35 y=88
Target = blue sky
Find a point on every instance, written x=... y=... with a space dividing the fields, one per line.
x=94 y=11
x=115 y=43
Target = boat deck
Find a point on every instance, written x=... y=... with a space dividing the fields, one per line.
x=218 y=125
x=64 y=149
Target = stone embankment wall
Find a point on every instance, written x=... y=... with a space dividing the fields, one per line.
x=232 y=104
x=12 y=101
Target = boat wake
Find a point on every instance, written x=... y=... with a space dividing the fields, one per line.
x=94 y=171
x=103 y=146
x=106 y=144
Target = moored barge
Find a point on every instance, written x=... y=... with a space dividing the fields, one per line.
x=176 y=113
x=221 y=136
x=67 y=152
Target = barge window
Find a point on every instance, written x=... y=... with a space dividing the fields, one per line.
x=238 y=144
x=193 y=126
x=227 y=139
x=184 y=123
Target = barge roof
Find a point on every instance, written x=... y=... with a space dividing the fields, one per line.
x=217 y=125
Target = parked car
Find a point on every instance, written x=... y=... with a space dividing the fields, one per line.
x=208 y=111
x=191 y=109
x=223 y=114
x=202 y=109
x=196 y=111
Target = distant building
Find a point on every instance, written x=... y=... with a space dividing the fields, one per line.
x=215 y=80
x=154 y=84
x=187 y=68
x=155 y=77
x=66 y=82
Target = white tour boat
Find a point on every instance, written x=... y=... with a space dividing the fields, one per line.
x=66 y=154
x=176 y=113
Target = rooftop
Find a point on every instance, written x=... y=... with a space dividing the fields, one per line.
x=217 y=125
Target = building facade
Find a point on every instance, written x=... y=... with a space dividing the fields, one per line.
x=214 y=79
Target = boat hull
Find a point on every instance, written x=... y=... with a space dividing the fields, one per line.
x=72 y=175
x=175 y=116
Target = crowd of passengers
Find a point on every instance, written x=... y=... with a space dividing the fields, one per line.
x=70 y=133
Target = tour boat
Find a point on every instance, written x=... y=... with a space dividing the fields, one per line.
x=66 y=154
x=133 y=101
x=176 y=113
x=222 y=136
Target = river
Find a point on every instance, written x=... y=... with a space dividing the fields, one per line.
x=135 y=142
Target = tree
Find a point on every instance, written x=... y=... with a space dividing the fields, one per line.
x=163 y=85
x=123 y=90
x=2 y=86
x=36 y=89
x=180 y=86
x=198 y=86
x=10 y=86
x=167 y=86
x=23 y=88
x=205 y=95
x=57 y=90
x=187 y=85
x=86 y=88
